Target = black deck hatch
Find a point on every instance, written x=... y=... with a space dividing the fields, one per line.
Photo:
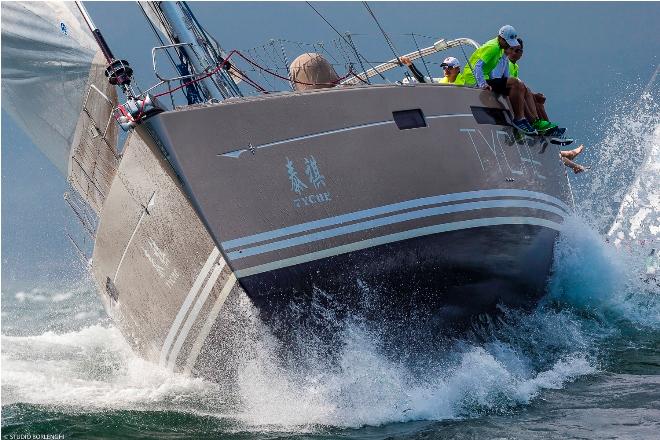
x=489 y=115
x=407 y=119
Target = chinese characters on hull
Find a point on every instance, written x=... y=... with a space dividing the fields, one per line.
x=315 y=179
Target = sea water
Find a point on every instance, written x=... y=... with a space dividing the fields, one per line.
x=585 y=363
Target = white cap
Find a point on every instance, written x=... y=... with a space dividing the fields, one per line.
x=450 y=62
x=509 y=33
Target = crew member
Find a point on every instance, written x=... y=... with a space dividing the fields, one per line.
x=488 y=69
x=450 y=65
x=534 y=108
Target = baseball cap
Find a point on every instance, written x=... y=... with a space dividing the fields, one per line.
x=509 y=33
x=450 y=62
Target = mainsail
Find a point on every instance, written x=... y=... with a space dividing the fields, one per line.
x=49 y=63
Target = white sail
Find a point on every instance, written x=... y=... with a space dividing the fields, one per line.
x=54 y=87
x=47 y=54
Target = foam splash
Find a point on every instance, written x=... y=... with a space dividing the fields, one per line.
x=60 y=308
x=369 y=387
x=631 y=137
x=594 y=275
x=93 y=368
x=499 y=366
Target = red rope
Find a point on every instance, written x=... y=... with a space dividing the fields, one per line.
x=289 y=79
x=213 y=72
x=243 y=76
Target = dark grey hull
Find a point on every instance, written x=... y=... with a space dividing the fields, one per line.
x=330 y=191
x=452 y=276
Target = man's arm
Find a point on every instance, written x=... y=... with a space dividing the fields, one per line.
x=413 y=69
x=479 y=74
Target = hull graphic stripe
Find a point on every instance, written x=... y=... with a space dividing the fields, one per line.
x=237 y=153
x=399 y=236
x=192 y=316
x=455 y=115
x=208 y=324
x=386 y=209
x=186 y=304
x=390 y=220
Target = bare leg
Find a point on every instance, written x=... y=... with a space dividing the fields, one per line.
x=577 y=168
x=540 y=109
x=517 y=97
x=528 y=111
x=572 y=154
x=539 y=100
x=530 y=105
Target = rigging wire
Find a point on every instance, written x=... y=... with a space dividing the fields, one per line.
x=357 y=54
x=286 y=59
x=467 y=59
x=153 y=28
x=350 y=43
x=256 y=54
x=419 y=51
x=387 y=38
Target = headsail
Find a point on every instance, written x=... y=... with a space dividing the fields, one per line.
x=50 y=63
x=47 y=57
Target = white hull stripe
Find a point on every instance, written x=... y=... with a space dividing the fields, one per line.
x=169 y=339
x=192 y=316
x=399 y=236
x=237 y=153
x=386 y=209
x=208 y=324
x=391 y=220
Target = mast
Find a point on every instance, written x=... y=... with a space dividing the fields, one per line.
x=196 y=49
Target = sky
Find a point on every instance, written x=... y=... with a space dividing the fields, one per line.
x=589 y=58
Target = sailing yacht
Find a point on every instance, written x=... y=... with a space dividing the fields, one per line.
x=385 y=197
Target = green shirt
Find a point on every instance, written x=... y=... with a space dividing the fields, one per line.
x=489 y=53
x=513 y=70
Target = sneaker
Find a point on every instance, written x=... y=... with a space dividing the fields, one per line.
x=562 y=141
x=556 y=132
x=518 y=137
x=524 y=126
x=543 y=126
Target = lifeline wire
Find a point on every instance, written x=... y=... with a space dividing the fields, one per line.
x=347 y=42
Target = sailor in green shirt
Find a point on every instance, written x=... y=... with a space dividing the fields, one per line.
x=534 y=108
x=488 y=69
x=535 y=111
